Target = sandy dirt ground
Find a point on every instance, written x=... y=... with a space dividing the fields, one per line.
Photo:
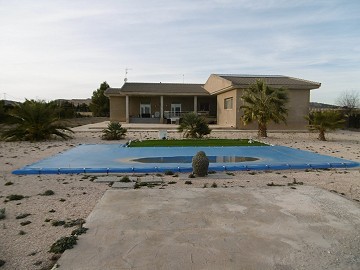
x=25 y=241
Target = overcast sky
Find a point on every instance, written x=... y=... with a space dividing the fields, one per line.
x=66 y=49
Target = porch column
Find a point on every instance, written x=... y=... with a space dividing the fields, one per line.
x=195 y=104
x=161 y=109
x=127 y=108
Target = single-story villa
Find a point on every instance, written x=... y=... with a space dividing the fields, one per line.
x=218 y=100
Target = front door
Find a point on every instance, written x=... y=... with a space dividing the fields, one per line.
x=145 y=110
x=175 y=110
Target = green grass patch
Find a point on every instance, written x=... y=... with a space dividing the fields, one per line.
x=195 y=142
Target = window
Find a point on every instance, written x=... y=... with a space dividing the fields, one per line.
x=228 y=103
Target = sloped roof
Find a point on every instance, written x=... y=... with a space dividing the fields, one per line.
x=271 y=80
x=134 y=88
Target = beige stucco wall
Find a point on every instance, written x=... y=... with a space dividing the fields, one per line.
x=227 y=117
x=215 y=83
x=117 y=109
x=298 y=107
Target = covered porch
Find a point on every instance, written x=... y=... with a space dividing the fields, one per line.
x=167 y=109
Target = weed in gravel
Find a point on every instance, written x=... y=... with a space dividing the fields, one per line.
x=274 y=185
x=214 y=185
x=230 y=173
x=52 y=211
x=24 y=215
x=58 y=223
x=74 y=222
x=205 y=185
x=48 y=192
x=15 y=197
x=21 y=232
x=191 y=175
x=2 y=262
x=125 y=179
x=63 y=244
x=79 y=231
x=188 y=182
x=169 y=173
x=9 y=183
x=2 y=213
x=24 y=223
x=62 y=200
x=172 y=182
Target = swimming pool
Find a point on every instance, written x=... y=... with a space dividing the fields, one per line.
x=115 y=158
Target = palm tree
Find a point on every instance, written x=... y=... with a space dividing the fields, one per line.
x=193 y=126
x=323 y=121
x=263 y=105
x=34 y=121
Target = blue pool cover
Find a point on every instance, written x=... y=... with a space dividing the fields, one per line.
x=115 y=158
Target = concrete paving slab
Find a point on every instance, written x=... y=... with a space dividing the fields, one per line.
x=151 y=179
x=263 y=228
x=123 y=185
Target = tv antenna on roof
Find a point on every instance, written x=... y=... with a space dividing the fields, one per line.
x=126 y=72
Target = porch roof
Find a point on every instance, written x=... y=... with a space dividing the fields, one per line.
x=156 y=89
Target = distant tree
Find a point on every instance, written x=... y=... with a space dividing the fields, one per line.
x=34 y=121
x=193 y=126
x=323 y=121
x=264 y=104
x=100 y=104
x=64 y=109
x=349 y=100
x=83 y=107
x=3 y=112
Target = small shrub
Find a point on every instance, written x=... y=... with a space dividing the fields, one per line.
x=188 y=182
x=24 y=223
x=214 y=185
x=230 y=173
x=191 y=175
x=158 y=174
x=193 y=126
x=63 y=244
x=21 y=216
x=48 y=192
x=114 y=131
x=125 y=179
x=47 y=220
x=9 y=183
x=2 y=213
x=211 y=172
x=169 y=173
x=15 y=197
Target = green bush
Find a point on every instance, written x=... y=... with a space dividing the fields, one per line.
x=114 y=131
x=193 y=126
